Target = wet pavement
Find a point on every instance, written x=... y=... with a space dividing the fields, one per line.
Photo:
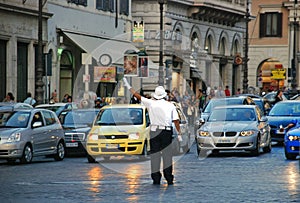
x=226 y=177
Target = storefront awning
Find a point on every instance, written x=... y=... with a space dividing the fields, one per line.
x=97 y=46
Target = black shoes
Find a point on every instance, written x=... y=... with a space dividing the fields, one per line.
x=170 y=183
x=156 y=183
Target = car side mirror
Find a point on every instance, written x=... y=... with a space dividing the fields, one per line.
x=183 y=122
x=264 y=119
x=37 y=124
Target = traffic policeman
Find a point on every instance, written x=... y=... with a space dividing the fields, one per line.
x=162 y=113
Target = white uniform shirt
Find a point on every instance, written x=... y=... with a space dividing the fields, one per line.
x=161 y=112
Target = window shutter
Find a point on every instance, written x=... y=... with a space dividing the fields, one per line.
x=279 y=25
x=262 y=25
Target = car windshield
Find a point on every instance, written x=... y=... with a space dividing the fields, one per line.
x=222 y=102
x=14 y=119
x=120 y=116
x=285 y=109
x=232 y=114
x=77 y=117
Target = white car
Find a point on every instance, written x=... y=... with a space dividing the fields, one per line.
x=57 y=107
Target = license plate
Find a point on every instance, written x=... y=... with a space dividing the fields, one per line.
x=112 y=146
x=73 y=144
x=224 y=141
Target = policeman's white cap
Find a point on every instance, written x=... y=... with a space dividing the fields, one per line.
x=159 y=93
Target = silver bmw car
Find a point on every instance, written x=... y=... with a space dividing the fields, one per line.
x=235 y=127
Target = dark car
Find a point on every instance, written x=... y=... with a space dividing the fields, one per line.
x=234 y=127
x=77 y=125
x=281 y=114
x=214 y=102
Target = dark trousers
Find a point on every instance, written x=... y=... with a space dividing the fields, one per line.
x=160 y=146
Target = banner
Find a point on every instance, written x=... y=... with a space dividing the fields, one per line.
x=104 y=74
x=130 y=64
x=138 y=32
x=143 y=70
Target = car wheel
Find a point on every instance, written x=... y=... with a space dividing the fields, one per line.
x=145 y=154
x=60 y=151
x=91 y=159
x=256 y=151
x=289 y=156
x=268 y=148
x=27 y=154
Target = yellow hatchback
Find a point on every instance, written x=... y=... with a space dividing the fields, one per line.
x=119 y=129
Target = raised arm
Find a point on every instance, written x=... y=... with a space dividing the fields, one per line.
x=132 y=91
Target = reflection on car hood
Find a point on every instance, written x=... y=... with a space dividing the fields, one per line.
x=118 y=129
x=294 y=132
x=228 y=126
x=281 y=120
x=8 y=131
x=82 y=129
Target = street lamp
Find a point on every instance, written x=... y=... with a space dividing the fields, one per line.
x=39 y=91
x=245 y=80
x=294 y=60
x=161 y=65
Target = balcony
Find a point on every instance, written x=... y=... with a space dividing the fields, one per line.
x=225 y=12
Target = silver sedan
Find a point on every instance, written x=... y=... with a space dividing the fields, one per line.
x=236 y=127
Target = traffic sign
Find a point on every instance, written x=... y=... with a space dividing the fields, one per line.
x=278 y=74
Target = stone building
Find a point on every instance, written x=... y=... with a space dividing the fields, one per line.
x=83 y=39
x=271 y=37
x=201 y=41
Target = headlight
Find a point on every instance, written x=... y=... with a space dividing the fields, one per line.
x=247 y=133
x=204 y=133
x=93 y=137
x=14 y=137
x=134 y=136
x=293 y=138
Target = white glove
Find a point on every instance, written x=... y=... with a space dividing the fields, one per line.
x=126 y=84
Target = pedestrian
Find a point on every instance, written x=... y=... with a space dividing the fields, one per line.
x=29 y=100
x=227 y=91
x=278 y=97
x=69 y=99
x=238 y=91
x=65 y=99
x=220 y=92
x=162 y=113
x=9 y=98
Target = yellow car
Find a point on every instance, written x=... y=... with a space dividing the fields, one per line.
x=119 y=129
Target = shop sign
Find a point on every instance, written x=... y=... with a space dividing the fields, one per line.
x=278 y=74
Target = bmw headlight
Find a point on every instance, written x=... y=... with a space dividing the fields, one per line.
x=14 y=137
x=134 y=136
x=204 y=133
x=246 y=133
x=293 y=138
x=93 y=136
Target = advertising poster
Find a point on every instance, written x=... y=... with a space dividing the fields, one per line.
x=143 y=70
x=104 y=74
x=130 y=64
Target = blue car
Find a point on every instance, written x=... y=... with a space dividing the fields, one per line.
x=292 y=142
x=281 y=114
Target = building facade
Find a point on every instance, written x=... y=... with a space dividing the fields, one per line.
x=270 y=44
x=18 y=46
x=201 y=41
x=84 y=39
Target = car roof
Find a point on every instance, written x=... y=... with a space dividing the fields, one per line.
x=123 y=106
x=50 y=104
x=236 y=107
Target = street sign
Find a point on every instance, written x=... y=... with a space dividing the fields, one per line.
x=278 y=74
